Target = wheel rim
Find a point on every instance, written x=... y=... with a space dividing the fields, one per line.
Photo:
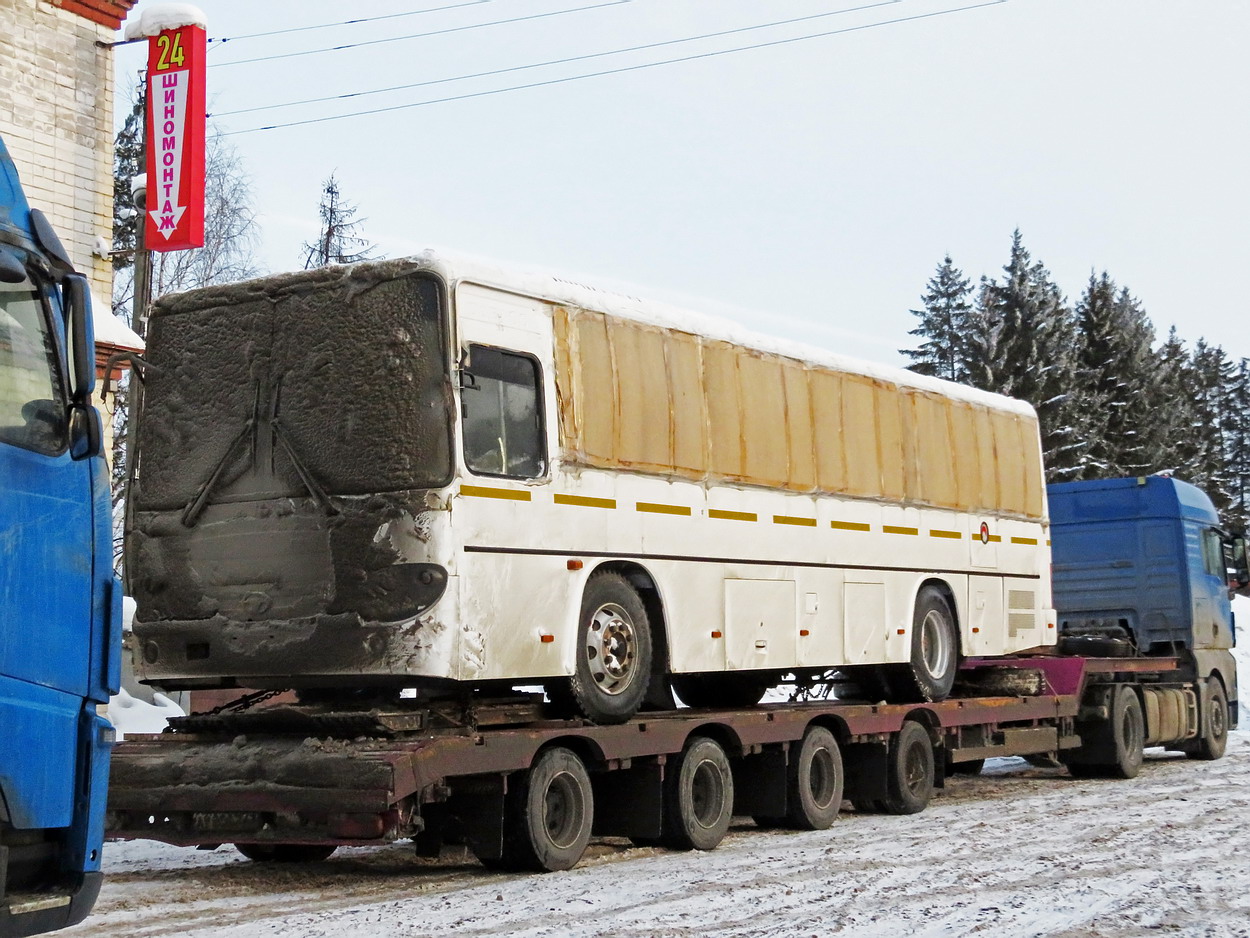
x=1219 y=710
x=707 y=793
x=563 y=809
x=915 y=769
x=1131 y=733
x=612 y=649
x=935 y=648
x=821 y=777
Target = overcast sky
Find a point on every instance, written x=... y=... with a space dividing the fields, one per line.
x=812 y=185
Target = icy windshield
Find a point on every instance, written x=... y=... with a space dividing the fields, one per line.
x=337 y=376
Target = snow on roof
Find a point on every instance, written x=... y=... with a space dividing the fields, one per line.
x=111 y=331
x=562 y=289
x=159 y=17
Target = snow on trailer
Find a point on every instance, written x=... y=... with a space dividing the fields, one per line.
x=526 y=792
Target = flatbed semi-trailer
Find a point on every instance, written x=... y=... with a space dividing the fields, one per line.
x=526 y=792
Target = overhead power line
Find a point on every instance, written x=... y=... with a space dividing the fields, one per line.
x=622 y=70
x=363 y=19
x=564 y=61
x=434 y=32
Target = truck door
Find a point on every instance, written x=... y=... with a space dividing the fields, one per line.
x=45 y=577
x=1212 y=612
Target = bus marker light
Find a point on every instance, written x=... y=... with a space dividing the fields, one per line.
x=546 y=639
x=574 y=564
x=715 y=634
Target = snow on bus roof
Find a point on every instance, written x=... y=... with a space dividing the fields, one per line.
x=575 y=292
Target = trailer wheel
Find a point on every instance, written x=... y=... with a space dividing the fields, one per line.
x=909 y=771
x=548 y=814
x=285 y=853
x=934 y=649
x=1113 y=748
x=816 y=779
x=1213 y=724
x=613 y=663
x=698 y=797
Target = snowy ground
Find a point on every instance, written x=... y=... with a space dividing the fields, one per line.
x=1017 y=851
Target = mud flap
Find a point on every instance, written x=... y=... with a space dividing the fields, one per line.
x=629 y=802
x=760 y=784
x=475 y=811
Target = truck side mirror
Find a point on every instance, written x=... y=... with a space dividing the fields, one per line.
x=76 y=298
x=86 y=432
x=1237 y=565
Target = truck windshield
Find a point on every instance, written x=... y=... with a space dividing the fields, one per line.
x=32 y=406
x=323 y=376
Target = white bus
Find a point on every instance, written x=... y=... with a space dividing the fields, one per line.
x=440 y=473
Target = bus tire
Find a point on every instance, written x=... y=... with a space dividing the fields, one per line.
x=286 y=853
x=815 y=782
x=548 y=814
x=614 y=649
x=934 y=648
x=736 y=689
x=1212 y=737
x=698 y=797
x=909 y=771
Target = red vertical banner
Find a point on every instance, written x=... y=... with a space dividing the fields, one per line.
x=175 y=140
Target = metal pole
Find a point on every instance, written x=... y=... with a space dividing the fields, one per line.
x=134 y=396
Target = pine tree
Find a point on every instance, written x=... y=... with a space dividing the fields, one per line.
x=1171 y=408
x=1035 y=356
x=338 y=242
x=943 y=325
x=1114 y=361
x=1237 y=443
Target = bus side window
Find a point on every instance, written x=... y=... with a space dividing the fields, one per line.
x=503 y=419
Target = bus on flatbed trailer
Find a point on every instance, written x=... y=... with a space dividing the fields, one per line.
x=526 y=792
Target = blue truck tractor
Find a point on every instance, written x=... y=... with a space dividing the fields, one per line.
x=1143 y=568
x=60 y=605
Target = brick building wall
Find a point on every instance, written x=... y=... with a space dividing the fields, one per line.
x=56 y=116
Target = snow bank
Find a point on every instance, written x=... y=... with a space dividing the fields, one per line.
x=162 y=16
x=131 y=715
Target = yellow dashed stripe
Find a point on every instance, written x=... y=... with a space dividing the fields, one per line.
x=995 y=538
x=481 y=491
x=585 y=501
x=790 y=519
x=850 y=525
x=953 y=535
x=658 y=509
x=1024 y=540
x=895 y=529
x=732 y=515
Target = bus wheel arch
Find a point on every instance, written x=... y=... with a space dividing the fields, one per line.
x=936 y=646
x=659 y=694
x=613 y=656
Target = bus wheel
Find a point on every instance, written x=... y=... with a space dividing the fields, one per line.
x=934 y=647
x=285 y=853
x=698 y=797
x=1112 y=748
x=814 y=793
x=720 y=690
x=613 y=663
x=909 y=771
x=548 y=816
x=1213 y=724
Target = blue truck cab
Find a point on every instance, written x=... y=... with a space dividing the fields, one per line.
x=60 y=605
x=1141 y=566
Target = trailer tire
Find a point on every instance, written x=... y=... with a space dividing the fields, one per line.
x=614 y=650
x=910 y=771
x=286 y=853
x=1212 y=737
x=1114 y=745
x=934 y=650
x=698 y=797
x=548 y=814
x=815 y=782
